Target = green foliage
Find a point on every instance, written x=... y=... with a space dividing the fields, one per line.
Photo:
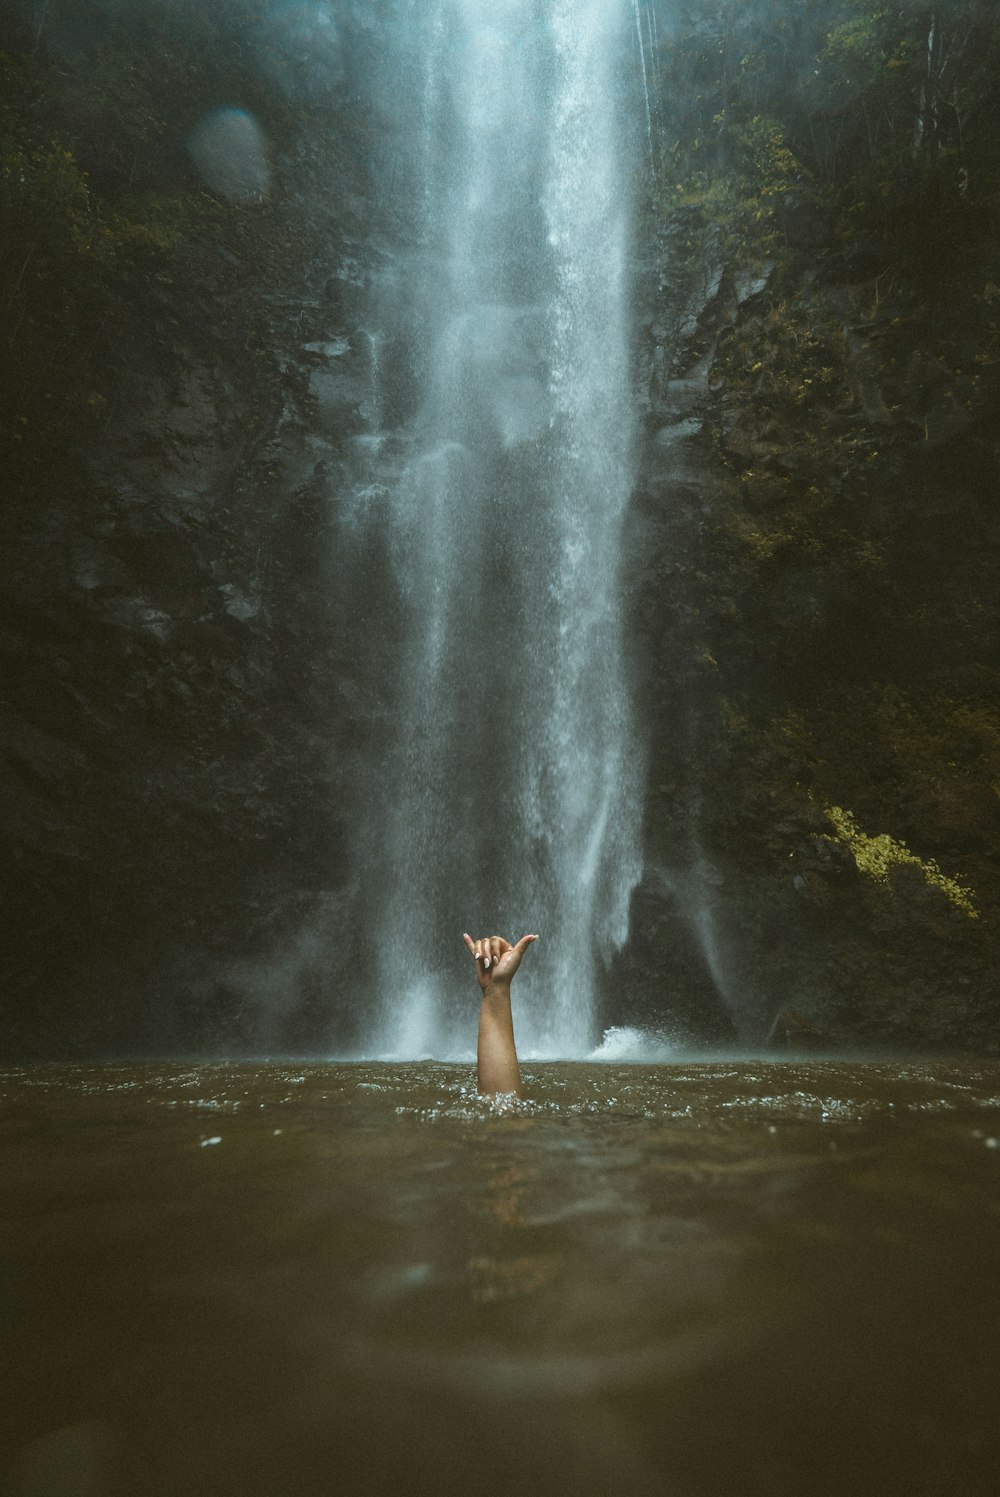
x=861 y=54
x=744 y=202
x=884 y=120
x=929 y=761
x=877 y=856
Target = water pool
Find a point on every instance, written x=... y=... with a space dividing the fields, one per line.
x=689 y=1278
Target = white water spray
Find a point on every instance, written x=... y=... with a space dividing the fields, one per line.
x=508 y=798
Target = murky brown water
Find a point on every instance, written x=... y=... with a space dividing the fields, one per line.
x=692 y=1279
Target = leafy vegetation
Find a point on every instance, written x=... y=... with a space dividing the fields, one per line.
x=877 y=856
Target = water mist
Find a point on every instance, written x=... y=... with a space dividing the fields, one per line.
x=507 y=795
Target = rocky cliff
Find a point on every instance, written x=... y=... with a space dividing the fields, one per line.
x=817 y=518
x=812 y=555
x=175 y=696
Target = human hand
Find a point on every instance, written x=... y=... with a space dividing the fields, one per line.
x=496 y=959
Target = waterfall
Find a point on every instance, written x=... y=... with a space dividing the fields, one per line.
x=502 y=790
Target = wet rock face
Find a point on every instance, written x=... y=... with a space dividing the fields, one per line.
x=166 y=750
x=183 y=699
x=800 y=651
x=170 y=804
x=811 y=568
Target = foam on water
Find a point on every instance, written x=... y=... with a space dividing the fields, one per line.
x=622 y=1042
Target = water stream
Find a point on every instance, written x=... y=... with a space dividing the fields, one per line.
x=694 y=1279
x=506 y=797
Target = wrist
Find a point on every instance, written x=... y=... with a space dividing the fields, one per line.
x=498 y=987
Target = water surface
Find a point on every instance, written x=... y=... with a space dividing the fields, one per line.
x=698 y=1279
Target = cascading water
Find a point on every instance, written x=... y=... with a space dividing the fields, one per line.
x=507 y=796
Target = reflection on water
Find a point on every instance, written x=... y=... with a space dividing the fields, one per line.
x=274 y=1280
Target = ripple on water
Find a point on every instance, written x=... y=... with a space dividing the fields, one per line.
x=380 y=1238
x=687 y=1095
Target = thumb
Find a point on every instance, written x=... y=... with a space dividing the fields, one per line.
x=523 y=944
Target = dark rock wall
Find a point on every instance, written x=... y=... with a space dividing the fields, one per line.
x=177 y=691
x=817 y=537
x=190 y=654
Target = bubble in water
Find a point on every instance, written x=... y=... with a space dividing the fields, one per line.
x=231 y=153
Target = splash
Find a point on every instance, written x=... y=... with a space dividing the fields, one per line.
x=623 y=1043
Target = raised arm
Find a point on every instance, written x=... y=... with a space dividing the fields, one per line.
x=496 y=962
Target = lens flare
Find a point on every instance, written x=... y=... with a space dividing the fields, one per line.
x=231 y=154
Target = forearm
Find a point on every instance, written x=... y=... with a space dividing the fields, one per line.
x=498 y=1070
